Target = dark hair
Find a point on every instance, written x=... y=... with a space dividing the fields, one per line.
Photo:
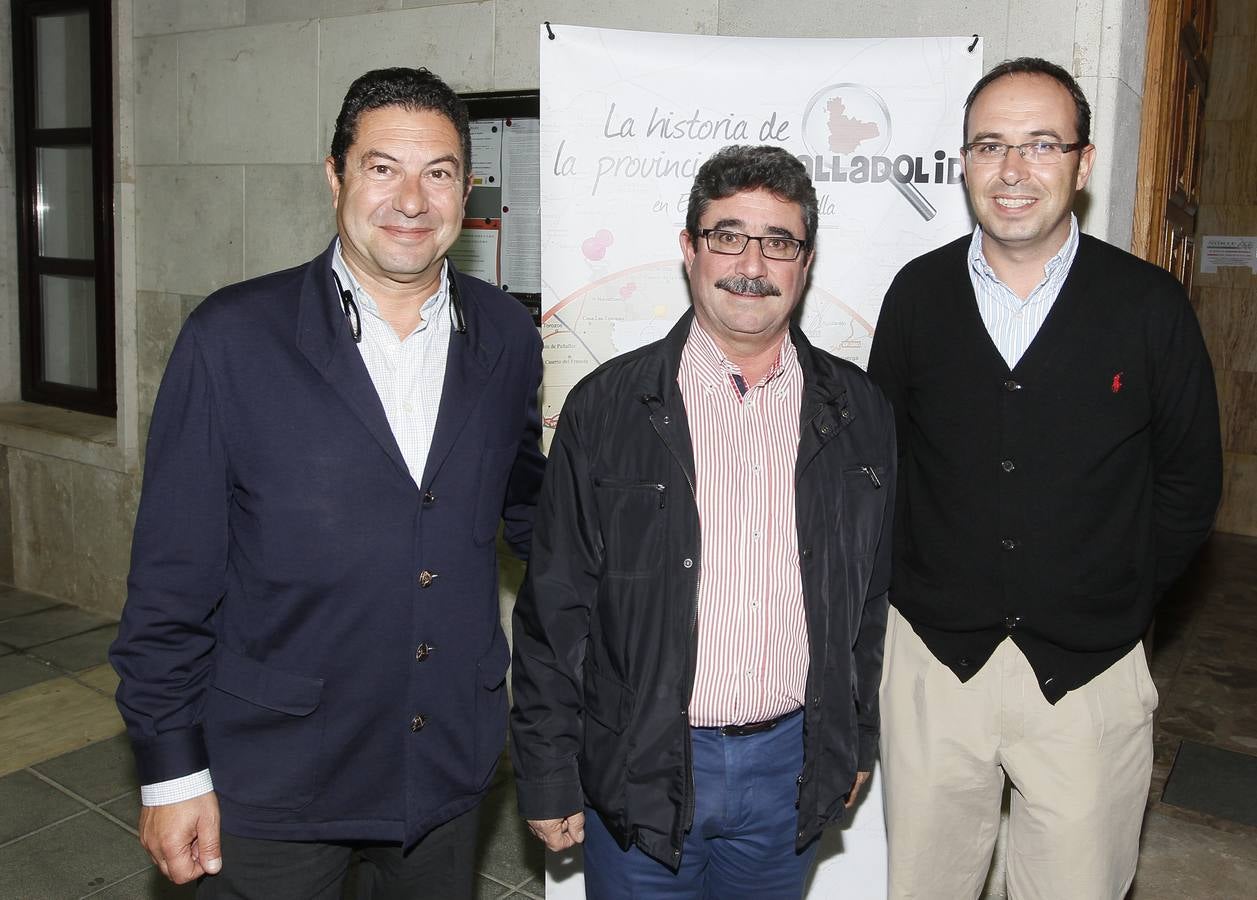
x=411 y=89
x=738 y=168
x=1032 y=65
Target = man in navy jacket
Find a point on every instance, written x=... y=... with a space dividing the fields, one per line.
x=311 y=649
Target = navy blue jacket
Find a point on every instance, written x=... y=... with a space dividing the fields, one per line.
x=302 y=618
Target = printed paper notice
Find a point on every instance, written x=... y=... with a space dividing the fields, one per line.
x=1228 y=250
x=521 y=207
x=486 y=153
x=476 y=251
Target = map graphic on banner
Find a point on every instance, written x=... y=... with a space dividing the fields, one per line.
x=628 y=117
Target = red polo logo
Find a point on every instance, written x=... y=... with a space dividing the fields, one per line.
x=1117 y=382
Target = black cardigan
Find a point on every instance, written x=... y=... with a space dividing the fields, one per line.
x=1055 y=501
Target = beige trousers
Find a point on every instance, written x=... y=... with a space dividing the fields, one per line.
x=1079 y=773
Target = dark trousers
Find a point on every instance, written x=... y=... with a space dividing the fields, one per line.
x=742 y=840
x=441 y=866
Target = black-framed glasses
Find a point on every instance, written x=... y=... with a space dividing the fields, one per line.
x=732 y=243
x=1043 y=153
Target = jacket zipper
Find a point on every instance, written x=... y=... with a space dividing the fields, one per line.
x=660 y=489
x=692 y=662
x=870 y=472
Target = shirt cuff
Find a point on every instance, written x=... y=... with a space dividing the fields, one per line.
x=176 y=790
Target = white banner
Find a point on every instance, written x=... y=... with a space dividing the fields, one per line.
x=626 y=120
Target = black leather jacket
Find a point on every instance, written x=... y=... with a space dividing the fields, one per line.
x=605 y=640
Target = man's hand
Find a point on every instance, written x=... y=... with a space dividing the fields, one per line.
x=559 y=834
x=860 y=778
x=182 y=838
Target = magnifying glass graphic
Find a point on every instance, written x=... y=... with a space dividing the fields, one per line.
x=843 y=117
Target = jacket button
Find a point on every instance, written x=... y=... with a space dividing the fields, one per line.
x=1008 y=465
x=428 y=498
x=964 y=662
x=418 y=722
x=423 y=651
x=426 y=578
x=826 y=428
x=807 y=553
x=1008 y=544
x=846 y=414
x=1011 y=385
x=688 y=563
x=1012 y=622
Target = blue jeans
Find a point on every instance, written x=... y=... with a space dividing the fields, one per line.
x=742 y=840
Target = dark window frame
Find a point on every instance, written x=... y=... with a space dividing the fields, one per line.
x=27 y=140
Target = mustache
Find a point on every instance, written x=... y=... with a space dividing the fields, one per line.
x=756 y=287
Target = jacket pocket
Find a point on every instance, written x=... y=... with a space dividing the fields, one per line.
x=608 y=709
x=263 y=732
x=495 y=470
x=491 y=702
x=863 y=507
x=631 y=514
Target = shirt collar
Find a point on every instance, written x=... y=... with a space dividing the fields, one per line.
x=1063 y=257
x=715 y=367
x=432 y=307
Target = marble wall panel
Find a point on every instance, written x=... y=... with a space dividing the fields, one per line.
x=1131 y=36
x=43 y=525
x=455 y=42
x=250 y=94
x=1231 y=94
x=288 y=216
x=1212 y=306
x=6 y=520
x=1241 y=331
x=189 y=227
x=156 y=100
x=104 y=516
x=1234 y=17
x=158 y=318
x=1111 y=191
x=166 y=16
x=516 y=63
x=159 y=323
x=1216 y=160
x=1239 y=495
x=1237 y=401
x=1215 y=217
x=878 y=18
x=415 y=4
x=1048 y=30
x=259 y=11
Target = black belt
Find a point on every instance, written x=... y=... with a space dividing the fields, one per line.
x=750 y=727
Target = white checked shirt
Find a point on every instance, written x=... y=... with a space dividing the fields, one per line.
x=1012 y=322
x=408 y=374
x=752 y=630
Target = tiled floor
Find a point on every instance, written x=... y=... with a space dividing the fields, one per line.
x=69 y=802
x=68 y=795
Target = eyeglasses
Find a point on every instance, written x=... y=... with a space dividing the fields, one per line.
x=732 y=243
x=1043 y=153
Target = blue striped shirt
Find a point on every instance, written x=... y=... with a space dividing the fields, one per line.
x=1012 y=322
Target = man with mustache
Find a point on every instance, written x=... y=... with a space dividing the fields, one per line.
x=1060 y=463
x=311 y=659
x=698 y=640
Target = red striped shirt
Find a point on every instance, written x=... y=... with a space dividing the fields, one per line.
x=752 y=630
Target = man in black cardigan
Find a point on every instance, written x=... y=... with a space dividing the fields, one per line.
x=1060 y=463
